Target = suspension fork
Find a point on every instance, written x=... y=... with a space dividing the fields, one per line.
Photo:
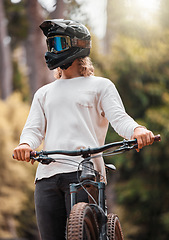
x=102 y=205
x=74 y=187
x=100 y=208
x=73 y=193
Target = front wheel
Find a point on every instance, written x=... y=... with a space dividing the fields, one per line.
x=114 y=230
x=82 y=224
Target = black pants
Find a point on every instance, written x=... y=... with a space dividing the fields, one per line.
x=52 y=204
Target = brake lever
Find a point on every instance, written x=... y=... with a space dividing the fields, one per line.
x=43 y=159
x=134 y=146
x=126 y=147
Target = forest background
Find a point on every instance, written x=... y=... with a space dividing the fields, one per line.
x=131 y=49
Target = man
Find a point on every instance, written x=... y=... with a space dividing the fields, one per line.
x=70 y=113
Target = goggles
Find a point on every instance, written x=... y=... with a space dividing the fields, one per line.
x=61 y=43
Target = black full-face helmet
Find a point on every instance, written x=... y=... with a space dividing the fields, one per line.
x=67 y=40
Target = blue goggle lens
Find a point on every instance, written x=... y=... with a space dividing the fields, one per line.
x=58 y=43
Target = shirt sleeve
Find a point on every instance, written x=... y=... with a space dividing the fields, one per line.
x=34 y=129
x=115 y=113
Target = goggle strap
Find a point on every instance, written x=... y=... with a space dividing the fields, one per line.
x=76 y=42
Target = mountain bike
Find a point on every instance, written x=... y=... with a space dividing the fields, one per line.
x=89 y=221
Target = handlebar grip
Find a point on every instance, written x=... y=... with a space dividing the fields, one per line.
x=32 y=154
x=157 y=138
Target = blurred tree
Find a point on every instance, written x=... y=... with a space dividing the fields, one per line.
x=35 y=44
x=27 y=228
x=17 y=22
x=66 y=9
x=59 y=10
x=115 y=21
x=137 y=62
x=15 y=177
x=18 y=31
x=141 y=76
x=164 y=12
x=5 y=59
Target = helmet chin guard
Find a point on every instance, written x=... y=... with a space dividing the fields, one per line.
x=61 y=31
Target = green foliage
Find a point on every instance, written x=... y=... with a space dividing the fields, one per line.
x=27 y=228
x=20 y=82
x=137 y=62
x=164 y=13
x=138 y=65
x=17 y=21
x=142 y=78
x=15 y=177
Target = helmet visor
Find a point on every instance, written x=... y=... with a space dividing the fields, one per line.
x=58 y=43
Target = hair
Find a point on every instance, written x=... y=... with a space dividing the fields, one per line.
x=85 y=68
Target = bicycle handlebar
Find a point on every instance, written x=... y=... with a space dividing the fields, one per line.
x=87 y=151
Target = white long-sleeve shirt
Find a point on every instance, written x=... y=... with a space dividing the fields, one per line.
x=71 y=114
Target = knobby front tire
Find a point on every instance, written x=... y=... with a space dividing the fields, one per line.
x=82 y=224
x=114 y=230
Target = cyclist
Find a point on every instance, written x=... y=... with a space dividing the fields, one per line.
x=70 y=113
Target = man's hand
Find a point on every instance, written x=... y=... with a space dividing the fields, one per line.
x=144 y=137
x=22 y=152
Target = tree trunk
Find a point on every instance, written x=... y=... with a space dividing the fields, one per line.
x=116 y=18
x=6 y=70
x=38 y=72
x=59 y=10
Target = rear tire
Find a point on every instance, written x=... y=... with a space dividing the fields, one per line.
x=114 y=230
x=82 y=224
